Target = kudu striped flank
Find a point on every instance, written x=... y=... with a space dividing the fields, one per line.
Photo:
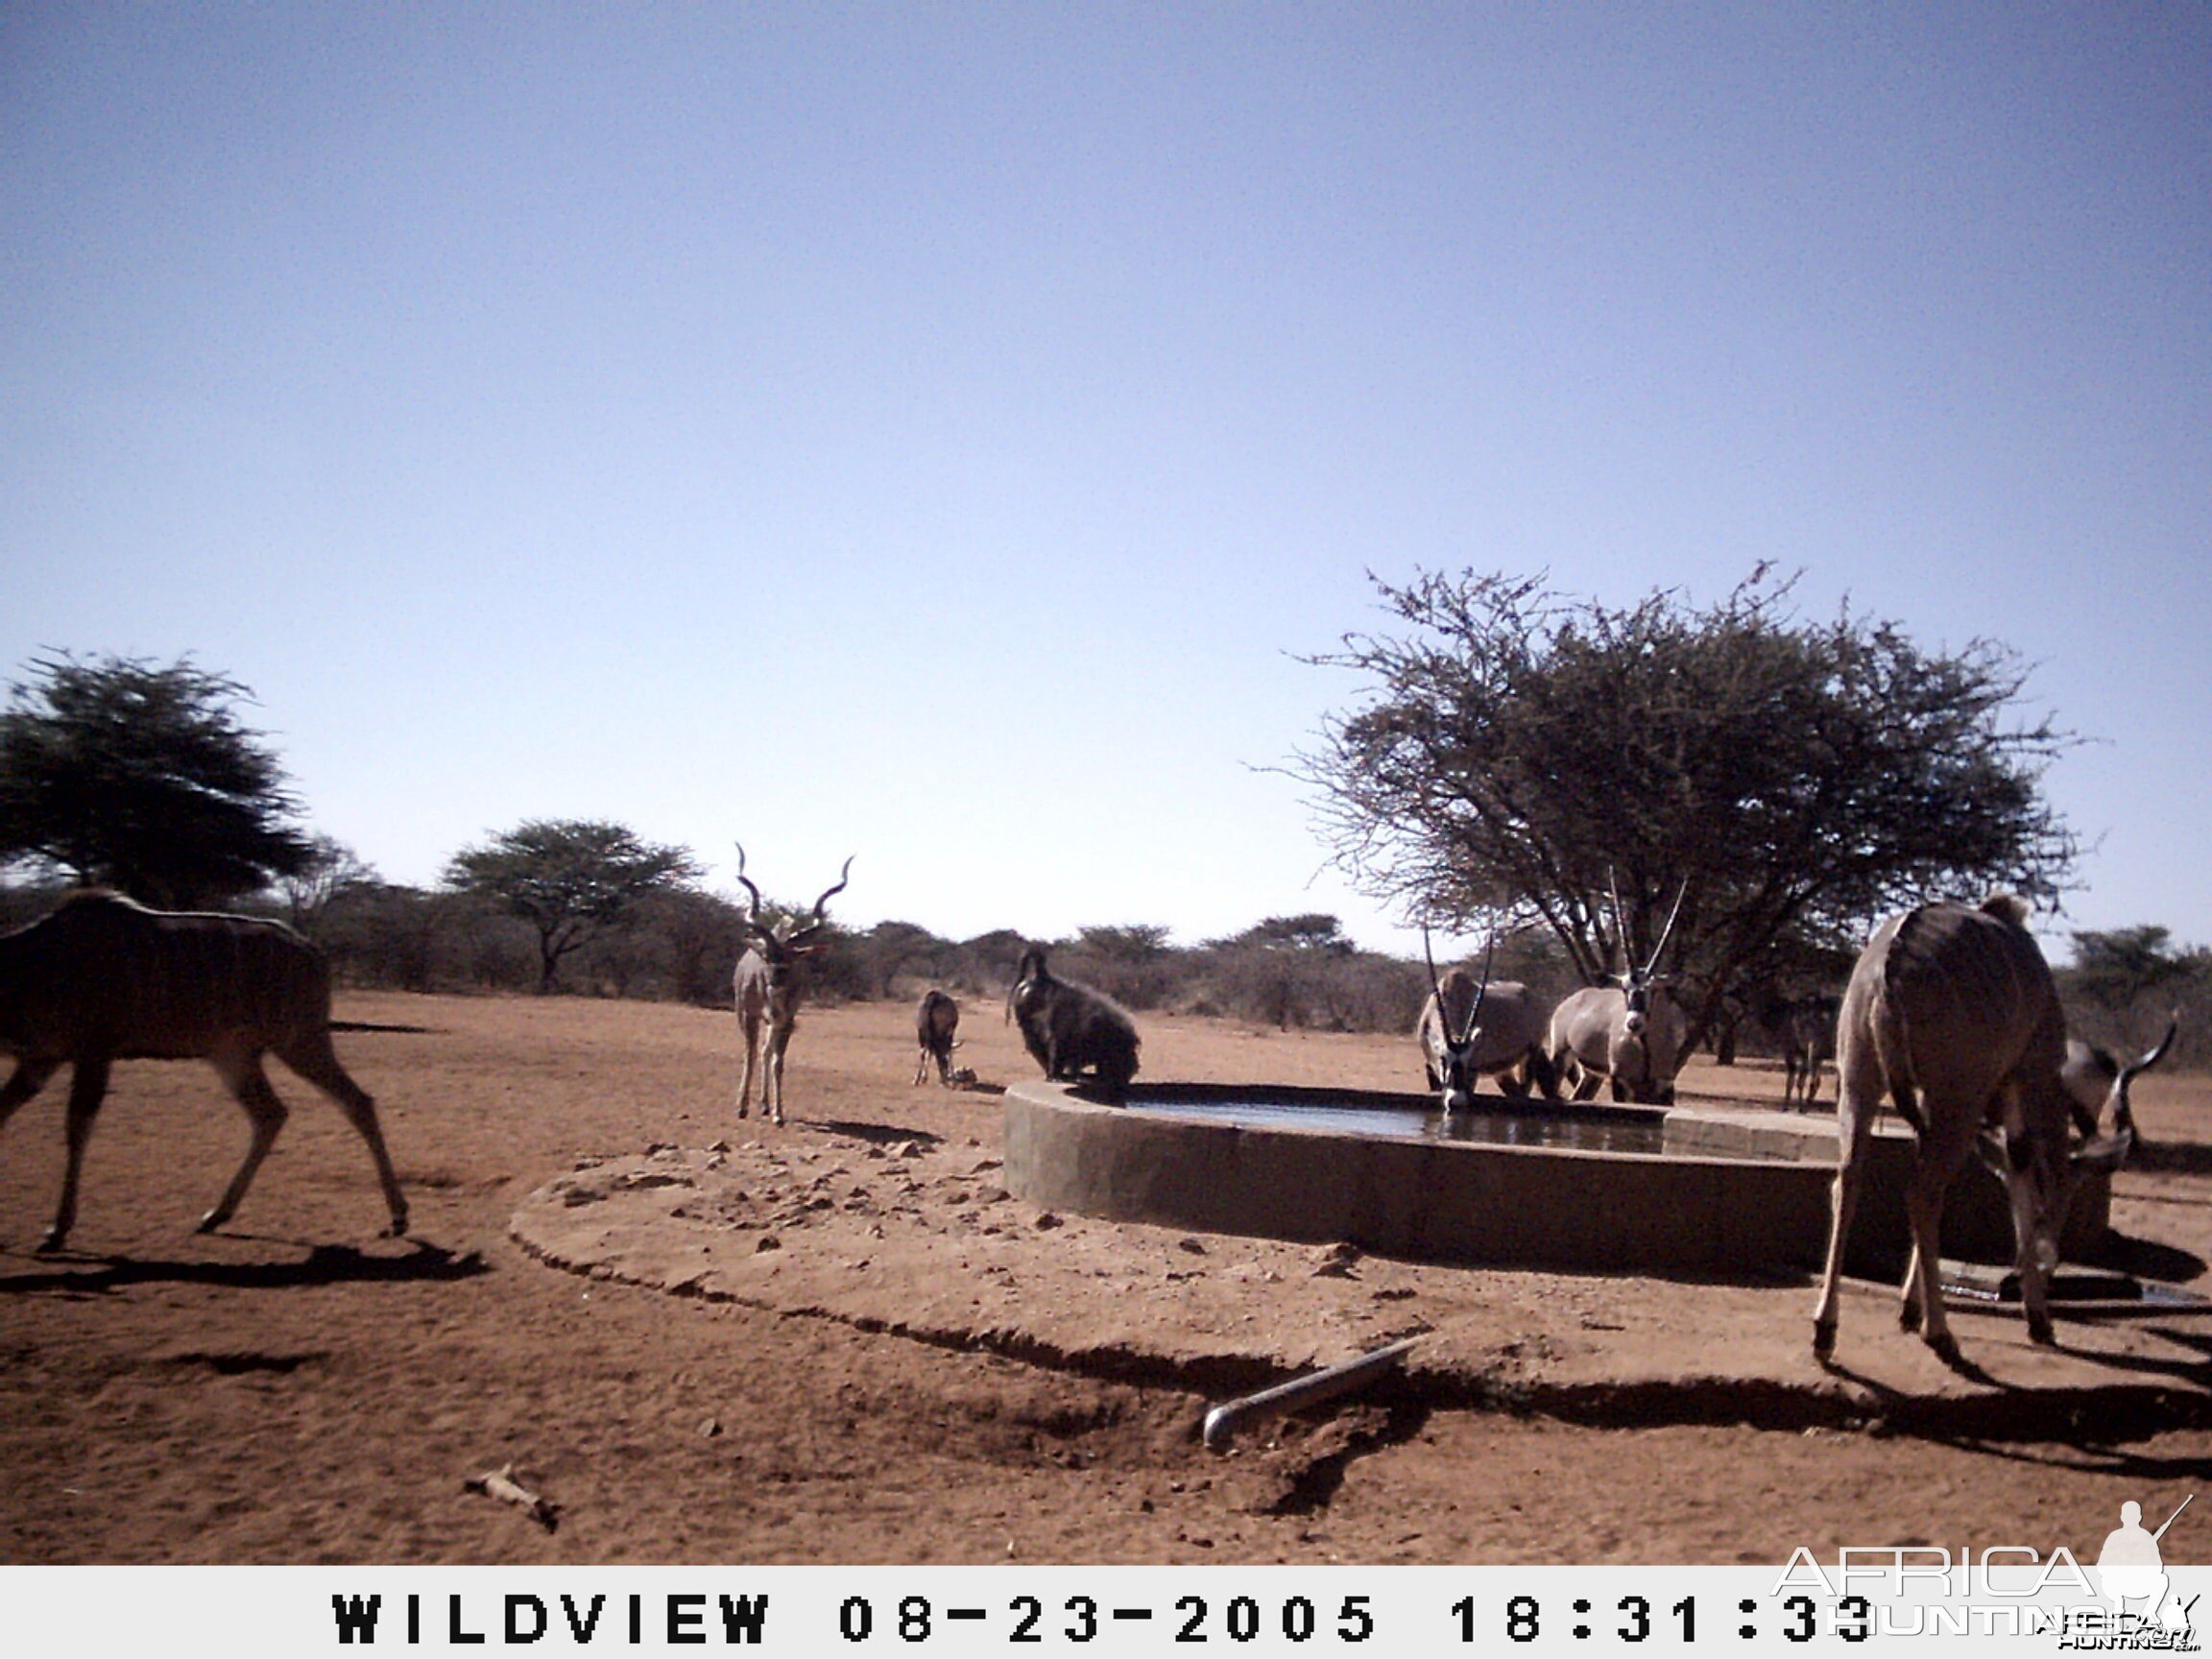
x=1952 y=1013
x=103 y=979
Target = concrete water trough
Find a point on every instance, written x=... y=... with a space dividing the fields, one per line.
x=1690 y=1189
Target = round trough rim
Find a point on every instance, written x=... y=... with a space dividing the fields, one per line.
x=1418 y=1198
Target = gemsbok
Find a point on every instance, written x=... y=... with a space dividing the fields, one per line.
x=1468 y=1029
x=770 y=986
x=103 y=978
x=1631 y=1032
x=1952 y=1013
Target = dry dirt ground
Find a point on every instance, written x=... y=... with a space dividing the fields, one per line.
x=842 y=1341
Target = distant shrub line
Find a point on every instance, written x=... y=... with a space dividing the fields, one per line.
x=1287 y=974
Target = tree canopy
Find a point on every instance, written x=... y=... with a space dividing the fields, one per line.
x=1521 y=752
x=569 y=877
x=1314 y=930
x=141 y=776
x=2116 y=967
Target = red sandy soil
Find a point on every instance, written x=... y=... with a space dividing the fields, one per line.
x=936 y=1372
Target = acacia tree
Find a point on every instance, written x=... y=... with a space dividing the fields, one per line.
x=1521 y=752
x=117 y=771
x=567 y=878
x=331 y=871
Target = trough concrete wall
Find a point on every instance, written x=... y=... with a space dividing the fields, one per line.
x=1765 y=1206
x=1429 y=1200
x=1977 y=1213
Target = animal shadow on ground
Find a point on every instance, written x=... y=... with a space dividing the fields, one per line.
x=2171 y=1158
x=324 y=1264
x=2194 y=1373
x=881 y=1134
x=2147 y=1259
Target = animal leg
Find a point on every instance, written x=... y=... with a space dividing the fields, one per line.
x=28 y=1078
x=1923 y=1303
x=771 y=1094
x=921 y=1068
x=250 y=1084
x=1855 y=1110
x=2034 y=1234
x=87 y=1088
x=750 y=1025
x=315 y=1060
x=1543 y=1074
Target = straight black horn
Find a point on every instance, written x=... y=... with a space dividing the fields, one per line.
x=1680 y=893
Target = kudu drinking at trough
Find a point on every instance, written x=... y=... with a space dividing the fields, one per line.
x=1468 y=1029
x=936 y=1017
x=770 y=986
x=1952 y=1013
x=1069 y=1028
x=1631 y=1033
x=103 y=979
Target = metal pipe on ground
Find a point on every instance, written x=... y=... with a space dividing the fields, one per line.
x=1310 y=1390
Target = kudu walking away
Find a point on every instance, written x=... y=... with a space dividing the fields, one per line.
x=1952 y=1013
x=103 y=979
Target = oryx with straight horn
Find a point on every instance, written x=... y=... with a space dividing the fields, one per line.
x=1631 y=1032
x=770 y=987
x=1952 y=1013
x=1468 y=1029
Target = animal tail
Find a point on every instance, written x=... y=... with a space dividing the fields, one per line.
x=1893 y=1043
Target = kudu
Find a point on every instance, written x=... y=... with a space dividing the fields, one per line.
x=1952 y=1013
x=1631 y=1032
x=1468 y=1029
x=103 y=979
x=1805 y=1028
x=936 y=1019
x=770 y=987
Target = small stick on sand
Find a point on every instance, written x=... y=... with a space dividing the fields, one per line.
x=500 y=1484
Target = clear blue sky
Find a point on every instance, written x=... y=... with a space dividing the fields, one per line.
x=931 y=432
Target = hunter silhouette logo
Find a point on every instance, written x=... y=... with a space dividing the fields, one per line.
x=2130 y=1569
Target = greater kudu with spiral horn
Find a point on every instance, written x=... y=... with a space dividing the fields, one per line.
x=1468 y=1029
x=770 y=988
x=1631 y=1032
